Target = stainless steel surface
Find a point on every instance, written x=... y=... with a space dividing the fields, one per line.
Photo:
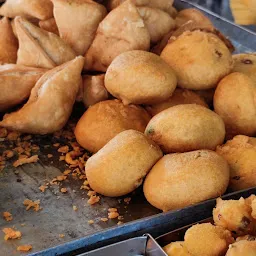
x=42 y=228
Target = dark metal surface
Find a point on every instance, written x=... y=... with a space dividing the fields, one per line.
x=42 y=228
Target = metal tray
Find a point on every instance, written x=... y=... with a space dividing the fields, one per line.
x=42 y=228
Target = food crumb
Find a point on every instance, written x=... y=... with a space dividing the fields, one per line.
x=23 y=224
x=61 y=177
x=29 y=203
x=75 y=208
x=63 y=149
x=91 y=193
x=43 y=188
x=25 y=160
x=112 y=209
x=66 y=172
x=61 y=235
x=90 y=221
x=8 y=154
x=49 y=155
x=7 y=216
x=63 y=190
x=93 y=200
x=113 y=215
x=104 y=219
x=127 y=200
x=11 y=234
x=24 y=248
x=119 y=223
x=62 y=158
x=56 y=145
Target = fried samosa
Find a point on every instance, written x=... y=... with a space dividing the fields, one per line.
x=77 y=21
x=158 y=22
x=8 y=42
x=39 y=48
x=122 y=30
x=16 y=82
x=31 y=9
x=51 y=101
x=49 y=25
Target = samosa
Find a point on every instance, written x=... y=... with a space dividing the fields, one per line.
x=31 y=9
x=122 y=30
x=51 y=101
x=39 y=48
x=77 y=21
x=16 y=82
x=49 y=25
x=8 y=42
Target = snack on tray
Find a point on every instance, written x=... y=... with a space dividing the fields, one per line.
x=179 y=96
x=235 y=216
x=122 y=30
x=77 y=22
x=207 y=240
x=237 y=113
x=158 y=22
x=199 y=58
x=180 y=180
x=242 y=248
x=240 y=152
x=121 y=165
x=50 y=103
x=139 y=77
x=16 y=82
x=177 y=249
x=186 y=127
x=8 y=42
x=104 y=120
x=94 y=90
x=49 y=25
x=31 y=9
x=39 y=48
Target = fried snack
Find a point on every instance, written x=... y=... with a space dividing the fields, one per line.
x=247 y=238
x=164 y=5
x=158 y=22
x=177 y=249
x=16 y=83
x=242 y=248
x=192 y=14
x=77 y=21
x=8 y=42
x=240 y=152
x=122 y=30
x=50 y=103
x=207 y=240
x=180 y=180
x=237 y=113
x=180 y=96
x=139 y=77
x=39 y=48
x=185 y=128
x=31 y=9
x=234 y=215
x=121 y=165
x=49 y=25
x=199 y=59
x=246 y=64
x=94 y=90
x=104 y=120
x=243 y=11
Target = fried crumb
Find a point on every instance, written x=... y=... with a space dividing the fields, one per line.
x=70 y=158
x=28 y=137
x=119 y=223
x=93 y=200
x=61 y=177
x=11 y=234
x=8 y=154
x=120 y=217
x=30 y=204
x=7 y=216
x=127 y=200
x=66 y=172
x=21 y=161
x=61 y=235
x=43 y=188
x=56 y=145
x=63 y=149
x=3 y=132
x=63 y=190
x=24 y=248
x=49 y=155
x=104 y=219
x=75 y=208
x=113 y=215
x=13 y=136
x=23 y=224
x=91 y=193
x=62 y=158
x=112 y=209
x=90 y=221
